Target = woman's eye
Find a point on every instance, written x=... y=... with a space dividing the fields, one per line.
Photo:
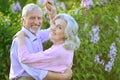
x=59 y=27
x=39 y=18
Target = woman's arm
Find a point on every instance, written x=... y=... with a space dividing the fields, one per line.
x=59 y=76
x=41 y=60
x=51 y=75
x=27 y=57
x=20 y=36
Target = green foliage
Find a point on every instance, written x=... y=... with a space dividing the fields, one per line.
x=84 y=67
x=9 y=26
x=4 y=47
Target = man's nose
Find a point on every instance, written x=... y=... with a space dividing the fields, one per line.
x=37 y=21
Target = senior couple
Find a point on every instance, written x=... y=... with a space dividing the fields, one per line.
x=28 y=60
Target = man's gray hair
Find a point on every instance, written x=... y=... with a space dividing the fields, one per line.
x=72 y=41
x=29 y=7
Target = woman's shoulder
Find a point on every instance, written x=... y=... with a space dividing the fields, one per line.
x=61 y=48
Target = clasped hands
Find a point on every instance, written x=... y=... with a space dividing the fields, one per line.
x=50 y=8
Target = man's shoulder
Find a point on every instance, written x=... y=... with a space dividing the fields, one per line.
x=15 y=41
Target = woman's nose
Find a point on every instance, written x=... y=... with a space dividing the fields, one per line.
x=52 y=28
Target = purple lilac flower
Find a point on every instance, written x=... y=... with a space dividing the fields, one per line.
x=97 y=58
x=111 y=55
x=113 y=51
x=86 y=3
x=95 y=34
x=41 y=2
x=108 y=67
x=16 y=7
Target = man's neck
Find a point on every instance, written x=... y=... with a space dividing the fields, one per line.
x=30 y=31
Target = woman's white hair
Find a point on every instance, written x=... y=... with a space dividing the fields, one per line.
x=72 y=41
x=29 y=7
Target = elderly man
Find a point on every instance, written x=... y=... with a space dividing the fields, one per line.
x=31 y=21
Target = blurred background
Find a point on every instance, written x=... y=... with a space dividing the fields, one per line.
x=98 y=57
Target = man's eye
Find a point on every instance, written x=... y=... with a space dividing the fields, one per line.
x=32 y=18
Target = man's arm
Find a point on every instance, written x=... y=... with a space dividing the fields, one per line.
x=59 y=76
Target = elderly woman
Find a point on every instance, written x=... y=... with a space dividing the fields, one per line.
x=64 y=35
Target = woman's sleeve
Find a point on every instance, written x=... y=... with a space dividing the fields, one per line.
x=35 y=59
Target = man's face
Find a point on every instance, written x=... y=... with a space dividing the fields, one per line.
x=33 y=21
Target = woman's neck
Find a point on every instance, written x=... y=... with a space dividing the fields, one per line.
x=58 y=42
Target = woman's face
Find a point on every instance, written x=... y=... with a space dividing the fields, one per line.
x=57 y=31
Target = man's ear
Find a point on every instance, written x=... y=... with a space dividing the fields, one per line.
x=23 y=20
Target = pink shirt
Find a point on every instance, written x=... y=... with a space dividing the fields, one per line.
x=56 y=58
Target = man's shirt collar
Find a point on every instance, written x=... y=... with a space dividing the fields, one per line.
x=31 y=36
